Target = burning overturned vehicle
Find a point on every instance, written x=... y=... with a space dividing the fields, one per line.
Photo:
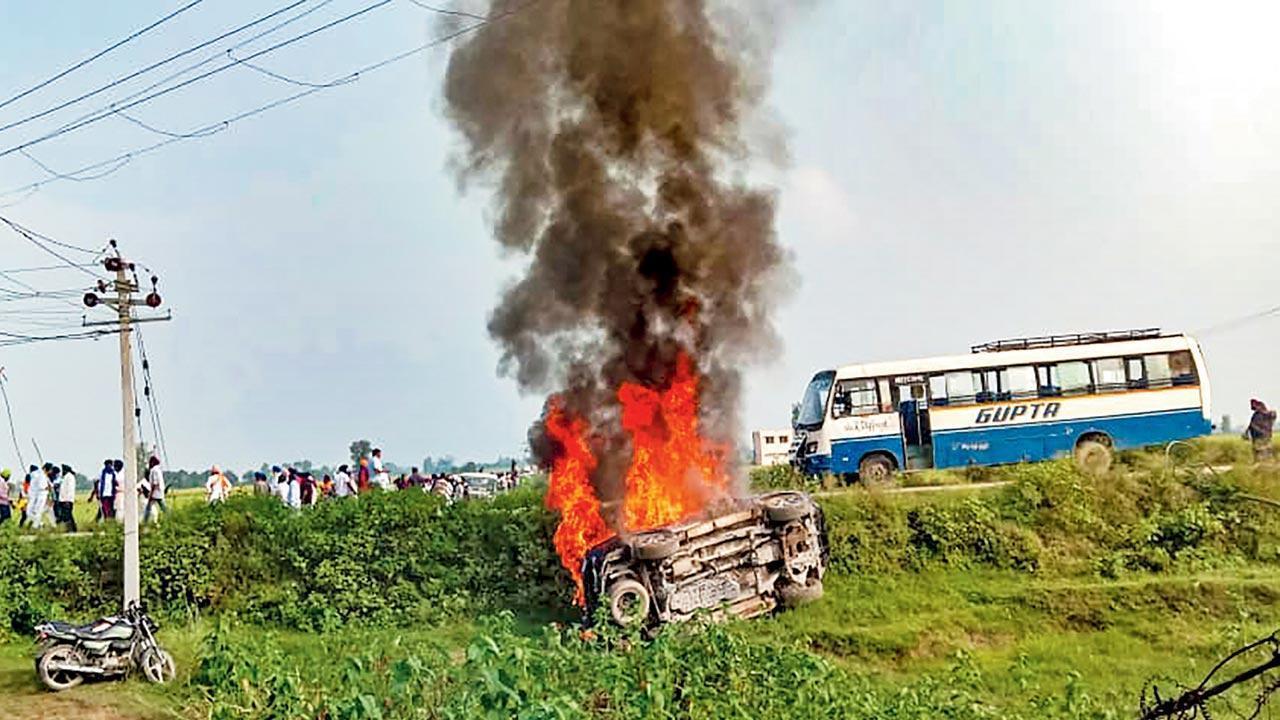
x=677 y=537
x=763 y=552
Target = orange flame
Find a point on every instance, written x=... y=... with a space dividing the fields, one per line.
x=675 y=473
x=569 y=491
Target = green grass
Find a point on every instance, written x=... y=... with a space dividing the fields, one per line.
x=1059 y=639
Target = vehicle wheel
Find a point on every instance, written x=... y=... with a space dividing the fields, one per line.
x=1093 y=457
x=794 y=594
x=785 y=507
x=56 y=679
x=655 y=545
x=875 y=470
x=628 y=603
x=157 y=666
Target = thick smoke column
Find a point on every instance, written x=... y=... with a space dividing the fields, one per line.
x=613 y=132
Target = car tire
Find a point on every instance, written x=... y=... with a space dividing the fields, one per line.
x=58 y=680
x=793 y=595
x=157 y=666
x=875 y=470
x=628 y=603
x=1093 y=457
x=785 y=507
x=656 y=545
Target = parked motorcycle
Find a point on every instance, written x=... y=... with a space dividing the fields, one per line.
x=112 y=646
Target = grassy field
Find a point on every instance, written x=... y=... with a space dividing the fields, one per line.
x=955 y=636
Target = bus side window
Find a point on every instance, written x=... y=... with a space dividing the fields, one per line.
x=1158 y=374
x=1074 y=378
x=960 y=388
x=887 y=403
x=1182 y=368
x=937 y=390
x=1108 y=374
x=1136 y=374
x=1018 y=382
x=855 y=397
x=986 y=384
x=1047 y=378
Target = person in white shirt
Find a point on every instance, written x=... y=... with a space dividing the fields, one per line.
x=216 y=487
x=155 y=492
x=37 y=499
x=342 y=483
x=381 y=477
x=66 y=498
x=293 y=493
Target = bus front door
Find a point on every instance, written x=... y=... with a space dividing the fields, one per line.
x=917 y=435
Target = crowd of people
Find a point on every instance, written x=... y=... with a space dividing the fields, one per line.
x=298 y=488
x=46 y=495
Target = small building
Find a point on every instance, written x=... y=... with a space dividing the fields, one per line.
x=771 y=447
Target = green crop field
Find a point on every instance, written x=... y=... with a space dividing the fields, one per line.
x=1054 y=595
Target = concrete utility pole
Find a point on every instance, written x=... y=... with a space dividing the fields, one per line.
x=124 y=308
x=124 y=303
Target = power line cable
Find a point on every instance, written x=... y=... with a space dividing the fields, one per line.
x=445 y=11
x=1239 y=322
x=153 y=402
x=8 y=410
x=153 y=66
x=40 y=268
x=113 y=108
x=31 y=236
x=210 y=58
x=119 y=161
x=136 y=34
x=292 y=81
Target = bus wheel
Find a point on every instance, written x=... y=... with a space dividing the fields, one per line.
x=1093 y=457
x=875 y=470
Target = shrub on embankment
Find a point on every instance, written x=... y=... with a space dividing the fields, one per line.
x=404 y=557
x=386 y=558
x=1053 y=518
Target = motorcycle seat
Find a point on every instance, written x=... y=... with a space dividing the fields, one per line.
x=101 y=630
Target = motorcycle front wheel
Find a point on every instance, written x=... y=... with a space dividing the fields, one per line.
x=157 y=665
x=48 y=667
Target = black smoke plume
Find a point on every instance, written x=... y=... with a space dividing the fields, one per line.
x=615 y=136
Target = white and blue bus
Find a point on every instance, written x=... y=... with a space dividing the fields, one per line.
x=1009 y=401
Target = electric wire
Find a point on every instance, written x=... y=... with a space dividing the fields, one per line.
x=195 y=66
x=153 y=66
x=32 y=235
x=8 y=410
x=444 y=11
x=119 y=161
x=153 y=402
x=1239 y=321
x=110 y=110
x=136 y=34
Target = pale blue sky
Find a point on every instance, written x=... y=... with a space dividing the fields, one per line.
x=959 y=172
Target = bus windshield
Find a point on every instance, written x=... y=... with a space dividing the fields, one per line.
x=814 y=404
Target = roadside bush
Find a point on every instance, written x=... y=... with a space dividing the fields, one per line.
x=385 y=558
x=781 y=477
x=971 y=533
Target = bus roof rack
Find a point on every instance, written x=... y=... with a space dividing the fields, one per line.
x=1047 y=341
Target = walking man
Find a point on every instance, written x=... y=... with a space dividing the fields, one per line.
x=107 y=485
x=5 y=510
x=64 y=510
x=380 y=476
x=216 y=487
x=37 y=498
x=342 y=484
x=155 y=491
x=1259 y=431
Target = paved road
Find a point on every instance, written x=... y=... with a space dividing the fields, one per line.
x=957 y=487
